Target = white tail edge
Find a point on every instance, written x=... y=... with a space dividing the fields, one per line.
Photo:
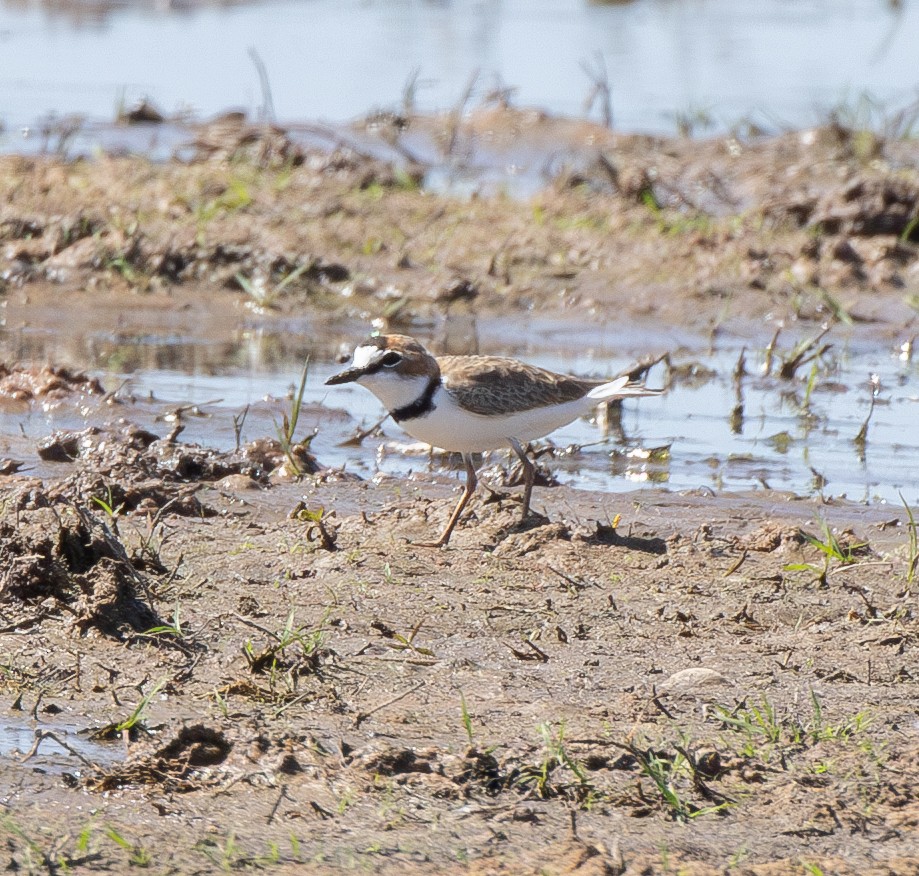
x=620 y=388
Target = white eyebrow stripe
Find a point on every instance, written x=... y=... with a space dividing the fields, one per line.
x=365 y=355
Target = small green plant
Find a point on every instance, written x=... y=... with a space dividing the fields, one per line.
x=150 y=543
x=221 y=701
x=345 y=799
x=284 y=175
x=763 y=725
x=135 y=719
x=675 y=778
x=108 y=507
x=264 y=297
x=318 y=527
x=227 y=855
x=582 y=222
x=671 y=223
x=757 y=723
x=236 y=196
x=693 y=120
x=467 y=720
x=174 y=629
x=295 y=650
x=32 y=848
x=122 y=265
x=863 y=114
x=664 y=773
x=805 y=351
x=835 y=306
x=407 y=643
x=861 y=438
x=238 y=422
x=830 y=549
x=270 y=857
x=910 y=230
x=817 y=729
x=130 y=726
x=738 y=857
x=809 y=389
x=138 y=856
x=913 y=559
x=540 y=777
x=84 y=837
x=288 y=428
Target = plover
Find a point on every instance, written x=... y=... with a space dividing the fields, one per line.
x=470 y=404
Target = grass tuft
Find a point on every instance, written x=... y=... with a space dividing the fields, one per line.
x=913 y=557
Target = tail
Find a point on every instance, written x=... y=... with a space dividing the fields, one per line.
x=620 y=388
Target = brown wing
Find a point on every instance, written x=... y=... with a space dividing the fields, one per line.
x=484 y=384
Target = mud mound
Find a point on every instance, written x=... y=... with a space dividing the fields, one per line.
x=863 y=206
x=123 y=445
x=69 y=561
x=131 y=469
x=198 y=756
x=47 y=383
x=185 y=763
x=97 y=443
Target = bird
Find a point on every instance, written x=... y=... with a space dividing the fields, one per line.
x=470 y=404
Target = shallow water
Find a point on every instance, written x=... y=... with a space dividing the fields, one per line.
x=17 y=737
x=780 y=442
x=779 y=62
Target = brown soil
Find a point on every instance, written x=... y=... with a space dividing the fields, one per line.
x=291 y=684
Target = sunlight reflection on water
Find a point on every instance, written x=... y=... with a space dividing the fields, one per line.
x=778 y=442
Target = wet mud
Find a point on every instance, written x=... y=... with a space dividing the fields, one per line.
x=281 y=679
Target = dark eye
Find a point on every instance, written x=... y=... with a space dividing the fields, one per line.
x=390 y=360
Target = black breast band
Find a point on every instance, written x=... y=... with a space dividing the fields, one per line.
x=422 y=405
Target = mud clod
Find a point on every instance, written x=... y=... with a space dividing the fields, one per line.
x=47 y=383
x=772 y=536
x=184 y=764
x=72 y=558
x=392 y=762
x=130 y=469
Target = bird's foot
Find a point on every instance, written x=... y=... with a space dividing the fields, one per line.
x=441 y=542
x=530 y=519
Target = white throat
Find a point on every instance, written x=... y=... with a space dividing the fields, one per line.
x=393 y=390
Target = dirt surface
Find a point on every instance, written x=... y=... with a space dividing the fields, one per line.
x=275 y=677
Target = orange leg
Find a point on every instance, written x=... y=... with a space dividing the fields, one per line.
x=472 y=481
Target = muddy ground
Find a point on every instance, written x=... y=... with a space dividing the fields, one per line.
x=277 y=678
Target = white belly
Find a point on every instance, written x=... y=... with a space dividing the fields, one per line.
x=450 y=427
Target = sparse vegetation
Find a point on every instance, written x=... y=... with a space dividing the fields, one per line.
x=913 y=546
x=261 y=296
x=668 y=774
x=173 y=629
x=319 y=527
x=772 y=734
x=556 y=773
x=831 y=549
x=291 y=653
x=295 y=450
x=135 y=719
x=318 y=690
